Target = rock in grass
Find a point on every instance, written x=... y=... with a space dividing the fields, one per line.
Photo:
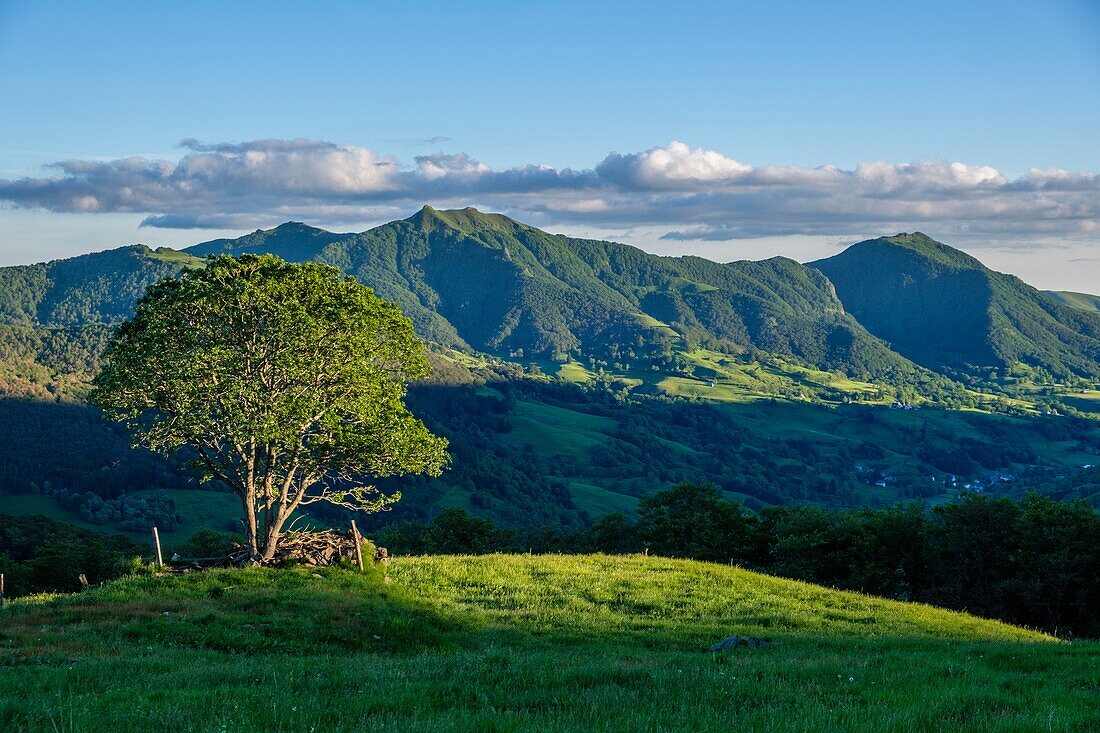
x=731 y=642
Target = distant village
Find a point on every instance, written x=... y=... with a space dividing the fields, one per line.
x=873 y=476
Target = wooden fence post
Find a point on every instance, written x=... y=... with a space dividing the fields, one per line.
x=1 y=590
x=358 y=545
x=156 y=540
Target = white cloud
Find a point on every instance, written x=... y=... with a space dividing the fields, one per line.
x=674 y=167
x=928 y=177
x=439 y=165
x=1055 y=179
x=691 y=193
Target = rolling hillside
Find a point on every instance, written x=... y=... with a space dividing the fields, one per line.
x=101 y=287
x=1080 y=301
x=522 y=642
x=945 y=310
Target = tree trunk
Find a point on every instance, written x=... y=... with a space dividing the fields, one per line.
x=263 y=540
x=250 y=531
x=271 y=543
x=274 y=519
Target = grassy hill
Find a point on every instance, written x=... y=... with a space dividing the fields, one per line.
x=945 y=310
x=516 y=643
x=1081 y=301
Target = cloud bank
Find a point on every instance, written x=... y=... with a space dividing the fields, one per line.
x=693 y=194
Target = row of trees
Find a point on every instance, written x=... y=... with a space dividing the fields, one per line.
x=41 y=555
x=1034 y=562
x=128 y=512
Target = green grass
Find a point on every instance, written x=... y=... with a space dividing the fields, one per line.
x=684 y=387
x=461 y=358
x=773 y=376
x=523 y=643
x=682 y=602
x=598 y=501
x=720 y=377
x=573 y=372
x=1085 y=402
x=565 y=432
x=165 y=254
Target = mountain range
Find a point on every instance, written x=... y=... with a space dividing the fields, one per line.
x=884 y=310
x=485 y=282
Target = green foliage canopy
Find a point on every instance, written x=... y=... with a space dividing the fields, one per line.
x=287 y=380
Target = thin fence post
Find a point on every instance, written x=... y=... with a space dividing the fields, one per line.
x=358 y=545
x=1 y=590
x=156 y=540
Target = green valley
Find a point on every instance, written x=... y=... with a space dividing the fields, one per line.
x=575 y=376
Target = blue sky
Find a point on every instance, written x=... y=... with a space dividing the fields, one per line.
x=511 y=99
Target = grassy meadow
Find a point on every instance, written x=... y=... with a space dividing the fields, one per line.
x=511 y=643
x=1087 y=402
x=724 y=378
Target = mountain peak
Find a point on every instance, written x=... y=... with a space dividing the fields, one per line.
x=425 y=217
x=945 y=310
x=921 y=245
x=294 y=226
x=911 y=238
x=464 y=220
x=292 y=240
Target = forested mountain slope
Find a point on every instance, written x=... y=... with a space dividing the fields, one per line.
x=484 y=281
x=101 y=287
x=945 y=310
x=55 y=317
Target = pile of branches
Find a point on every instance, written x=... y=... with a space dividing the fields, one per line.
x=312 y=549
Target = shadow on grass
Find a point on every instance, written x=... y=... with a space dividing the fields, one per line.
x=253 y=611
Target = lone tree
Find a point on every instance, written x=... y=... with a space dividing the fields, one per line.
x=286 y=380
